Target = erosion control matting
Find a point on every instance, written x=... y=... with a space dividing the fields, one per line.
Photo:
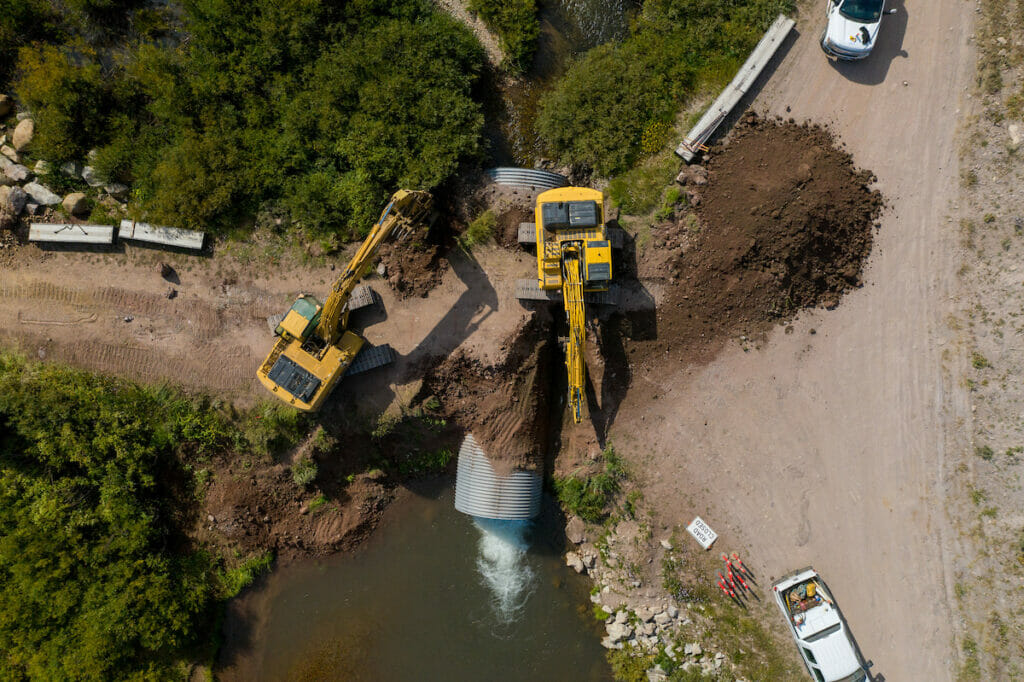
x=780 y=220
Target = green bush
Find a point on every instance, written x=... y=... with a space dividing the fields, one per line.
x=317 y=108
x=517 y=26
x=480 y=231
x=98 y=580
x=233 y=581
x=598 y=113
x=23 y=22
x=304 y=471
x=67 y=99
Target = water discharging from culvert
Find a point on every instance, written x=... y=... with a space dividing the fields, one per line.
x=501 y=564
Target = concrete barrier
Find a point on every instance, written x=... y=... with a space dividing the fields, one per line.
x=67 y=233
x=733 y=93
x=168 y=236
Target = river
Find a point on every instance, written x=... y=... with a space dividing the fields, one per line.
x=431 y=595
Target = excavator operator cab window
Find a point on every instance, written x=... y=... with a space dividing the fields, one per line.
x=562 y=215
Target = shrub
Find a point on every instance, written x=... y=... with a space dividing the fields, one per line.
x=589 y=497
x=67 y=97
x=304 y=471
x=234 y=580
x=517 y=26
x=598 y=113
x=480 y=231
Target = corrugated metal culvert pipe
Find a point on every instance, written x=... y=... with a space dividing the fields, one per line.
x=481 y=492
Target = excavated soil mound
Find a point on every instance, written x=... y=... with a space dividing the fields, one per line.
x=413 y=269
x=783 y=220
x=504 y=406
x=507 y=228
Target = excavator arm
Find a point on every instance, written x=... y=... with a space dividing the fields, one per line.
x=572 y=297
x=405 y=210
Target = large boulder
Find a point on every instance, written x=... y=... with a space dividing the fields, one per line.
x=15 y=171
x=23 y=134
x=9 y=152
x=12 y=199
x=76 y=203
x=6 y=104
x=41 y=194
x=116 y=190
x=91 y=177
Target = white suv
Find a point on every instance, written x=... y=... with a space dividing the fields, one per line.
x=852 y=27
x=818 y=627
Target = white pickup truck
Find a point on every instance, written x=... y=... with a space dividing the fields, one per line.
x=818 y=627
x=852 y=27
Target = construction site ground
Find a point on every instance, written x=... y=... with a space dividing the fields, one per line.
x=825 y=440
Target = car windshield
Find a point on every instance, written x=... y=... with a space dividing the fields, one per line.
x=859 y=676
x=864 y=11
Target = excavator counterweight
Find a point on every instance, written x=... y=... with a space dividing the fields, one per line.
x=314 y=346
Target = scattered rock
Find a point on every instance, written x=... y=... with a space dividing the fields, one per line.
x=172 y=293
x=590 y=560
x=91 y=177
x=6 y=104
x=116 y=190
x=573 y=560
x=619 y=631
x=128 y=318
x=672 y=611
x=23 y=134
x=14 y=171
x=13 y=199
x=31 y=208
x=76 y=203
x=42 y=194
x=71 y=168
x=621 y=617
x=42 y=167
x=693 y=649
x=575 y=530
x=607 y=643
x=382 y=269
x=645 y=614
x=9 y=152
x=1015 y=134
x=662 y=619
x=22 y=115
x=666 y=544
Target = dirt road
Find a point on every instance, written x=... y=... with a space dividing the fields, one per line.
x=110 y=312
x=828 y=445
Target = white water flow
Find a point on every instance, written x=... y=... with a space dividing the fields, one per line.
x=502 y=565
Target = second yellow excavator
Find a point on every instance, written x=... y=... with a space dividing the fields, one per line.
x=574 y=258
x=315 y=347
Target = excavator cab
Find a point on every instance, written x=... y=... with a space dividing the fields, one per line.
x=301 y=319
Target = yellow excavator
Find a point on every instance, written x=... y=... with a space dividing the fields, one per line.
x=574 y=259
x=314 y=347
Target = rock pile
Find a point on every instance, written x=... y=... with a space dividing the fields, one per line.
x=21 y=189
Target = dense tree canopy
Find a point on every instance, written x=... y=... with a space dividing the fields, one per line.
x=597 y=114
x=316 y=107
x=96 y=578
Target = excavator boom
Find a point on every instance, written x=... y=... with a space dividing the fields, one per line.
x=572 y=297
x=314 y=347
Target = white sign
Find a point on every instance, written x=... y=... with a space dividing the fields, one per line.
x=702 y=532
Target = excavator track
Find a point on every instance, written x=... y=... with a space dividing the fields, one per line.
x=372 y=357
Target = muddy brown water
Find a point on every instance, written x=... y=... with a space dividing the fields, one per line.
x=430 y=596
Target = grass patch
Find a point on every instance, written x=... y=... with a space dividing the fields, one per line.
x=480 y=231
x=985 y=452
x=639 y=190
x=589 y=497
x=316 y=503
x=304 y=471
x=979 y=361
x=234 y=580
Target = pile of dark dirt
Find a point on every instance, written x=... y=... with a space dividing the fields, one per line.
x=506 y=232
x=781 y=220
x=253 y=509
x=413 y=268
x=505 y=406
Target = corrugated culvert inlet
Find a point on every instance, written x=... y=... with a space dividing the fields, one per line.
x=481 y=492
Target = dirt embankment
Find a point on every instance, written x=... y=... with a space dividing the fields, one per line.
x=780 y=220
x=505 y=406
